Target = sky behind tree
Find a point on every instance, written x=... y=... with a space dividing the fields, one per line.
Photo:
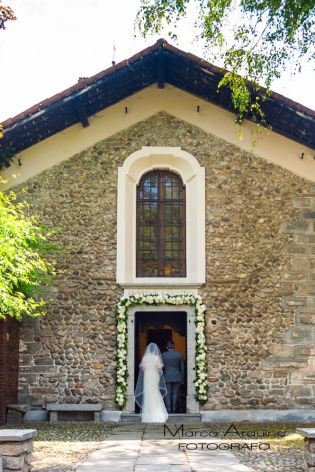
x=54 y=42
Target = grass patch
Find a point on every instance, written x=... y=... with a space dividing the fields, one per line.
x=277 y=434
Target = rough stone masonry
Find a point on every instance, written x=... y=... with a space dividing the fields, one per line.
x=16 y=447
x=259 y=292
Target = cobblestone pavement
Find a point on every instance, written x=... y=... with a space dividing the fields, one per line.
x=284 y=459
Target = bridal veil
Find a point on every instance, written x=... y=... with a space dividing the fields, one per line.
x=151 y=363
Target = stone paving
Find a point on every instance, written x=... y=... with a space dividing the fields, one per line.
x=143 y=447
x=62 y=447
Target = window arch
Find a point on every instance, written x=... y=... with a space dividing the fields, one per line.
x=161 y=225
x=192 y=175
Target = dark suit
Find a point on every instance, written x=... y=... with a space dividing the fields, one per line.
x=174 y=375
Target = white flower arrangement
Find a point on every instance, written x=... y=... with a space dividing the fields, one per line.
x=201 y=369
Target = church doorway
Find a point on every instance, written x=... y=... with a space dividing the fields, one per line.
x=160 y=327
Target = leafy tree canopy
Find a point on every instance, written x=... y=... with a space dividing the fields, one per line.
x=24 y=273
x=6 y=14
x=253 y=40
x=23 y=270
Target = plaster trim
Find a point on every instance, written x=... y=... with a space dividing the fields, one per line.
x=141 y=105
x=193 y=175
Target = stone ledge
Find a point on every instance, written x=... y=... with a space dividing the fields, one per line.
x=21 y=408
x=16 y=434
x=74 y=407
x=256 y=416
x=16 y=413
x=306 y=432
x=110 y=416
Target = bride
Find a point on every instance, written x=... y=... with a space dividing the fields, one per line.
x=151 y=387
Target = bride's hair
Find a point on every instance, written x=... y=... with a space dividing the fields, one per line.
x=152 y=347
x=170 y=345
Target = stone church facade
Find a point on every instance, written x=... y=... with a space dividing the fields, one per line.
x=254 y=271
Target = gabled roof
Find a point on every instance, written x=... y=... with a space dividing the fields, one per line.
x=161 y=63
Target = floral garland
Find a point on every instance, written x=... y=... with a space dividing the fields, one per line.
x=201 y=369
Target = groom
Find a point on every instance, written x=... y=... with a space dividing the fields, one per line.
x=173 y=374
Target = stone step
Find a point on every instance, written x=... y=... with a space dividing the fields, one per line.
x=173 y=418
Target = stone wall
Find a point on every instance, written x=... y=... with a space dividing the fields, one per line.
x=257 y=237
x=259 y=256
x=309 y=454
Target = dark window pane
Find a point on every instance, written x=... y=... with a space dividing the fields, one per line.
x=168 y=245
x=145 y=232
x=146 y=189
x=147 y=245
x=169 y=210
x=148 y=255
x=161 y=225
x=175 y=193
x=149 y=269
x=168 y=193
x=172 y=233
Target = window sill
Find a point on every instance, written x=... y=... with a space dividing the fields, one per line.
x=157 y=282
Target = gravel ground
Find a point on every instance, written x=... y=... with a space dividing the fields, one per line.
x=61 y=447
x=286 y=447
x=283 y=459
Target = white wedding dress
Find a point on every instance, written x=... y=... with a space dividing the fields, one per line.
x=151 y=387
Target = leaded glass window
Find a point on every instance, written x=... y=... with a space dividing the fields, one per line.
x=161 y=227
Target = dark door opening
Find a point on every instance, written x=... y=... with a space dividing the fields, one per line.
x=159 y=327
x=9 y=364
x=159 y=337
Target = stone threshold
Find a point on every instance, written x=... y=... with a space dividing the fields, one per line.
x=172 y=418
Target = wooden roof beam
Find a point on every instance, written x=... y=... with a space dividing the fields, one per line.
x=82 y=116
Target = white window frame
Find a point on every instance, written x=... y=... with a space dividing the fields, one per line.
x=193 y=175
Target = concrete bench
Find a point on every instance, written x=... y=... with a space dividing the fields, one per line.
x=309 y=447
x=16 y=447
x=16 y=413
x=74 y=412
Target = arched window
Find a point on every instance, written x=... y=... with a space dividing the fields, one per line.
x=161 y=225
x=137 y=262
